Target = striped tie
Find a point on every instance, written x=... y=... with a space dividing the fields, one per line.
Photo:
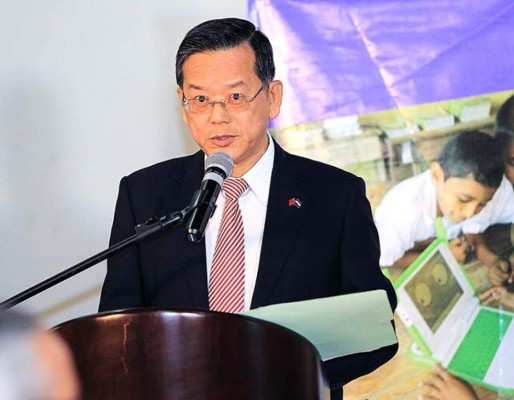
x=227 y=281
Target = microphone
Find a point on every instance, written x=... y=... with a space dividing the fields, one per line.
x=218 y=167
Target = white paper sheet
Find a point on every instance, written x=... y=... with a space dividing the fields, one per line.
x=337 y=326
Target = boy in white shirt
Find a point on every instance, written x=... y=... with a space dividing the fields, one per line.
x=457 y=187
x=498 y=216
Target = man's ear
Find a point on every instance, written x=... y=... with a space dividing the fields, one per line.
x=275 y=98
x=180 y=95
x=437 y=173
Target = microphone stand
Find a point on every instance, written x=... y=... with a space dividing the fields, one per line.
x=148 y=228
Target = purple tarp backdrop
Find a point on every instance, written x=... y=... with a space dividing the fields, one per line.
x=339 y=57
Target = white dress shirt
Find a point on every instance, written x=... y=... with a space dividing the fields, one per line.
x=253 y=204
x=406 y=215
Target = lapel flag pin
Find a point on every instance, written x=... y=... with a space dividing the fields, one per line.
x=294 y=202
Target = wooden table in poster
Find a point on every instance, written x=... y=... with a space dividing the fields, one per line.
x=401 y=378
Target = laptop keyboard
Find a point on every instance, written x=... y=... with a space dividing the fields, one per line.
x=477 y=350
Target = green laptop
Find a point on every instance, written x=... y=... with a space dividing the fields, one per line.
x=438 y=306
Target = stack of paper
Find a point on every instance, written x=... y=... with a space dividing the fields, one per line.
x=436 y=119
x=337 y=326
x=342 y=126
x=470 y=110
x=394 y=131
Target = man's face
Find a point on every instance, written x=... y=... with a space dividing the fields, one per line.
x=459 y=199
x=241 y=134
x=508 y=163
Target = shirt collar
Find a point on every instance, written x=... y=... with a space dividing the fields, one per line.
x=259 y=176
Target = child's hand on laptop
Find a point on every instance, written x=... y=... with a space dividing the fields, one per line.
x=441 y=385
x=500 y=272
x=500 y=295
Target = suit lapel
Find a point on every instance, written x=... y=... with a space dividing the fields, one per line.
x=192 y=255
x=283 y=223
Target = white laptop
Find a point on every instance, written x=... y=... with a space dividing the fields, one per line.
x=438 y=306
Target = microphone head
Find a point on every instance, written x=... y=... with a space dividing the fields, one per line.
x=221 y=161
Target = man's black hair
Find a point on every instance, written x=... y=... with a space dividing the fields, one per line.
x=504 y=125
x=472 y=153
x=224 y=34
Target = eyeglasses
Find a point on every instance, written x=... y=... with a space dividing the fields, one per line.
x=234 y=102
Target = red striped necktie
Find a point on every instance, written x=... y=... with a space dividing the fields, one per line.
x=227 y=280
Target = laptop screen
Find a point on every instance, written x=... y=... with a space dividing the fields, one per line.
x=434 y=290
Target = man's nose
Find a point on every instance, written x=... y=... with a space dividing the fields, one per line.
x=219 y=113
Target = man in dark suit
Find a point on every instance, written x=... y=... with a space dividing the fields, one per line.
x=308 y=227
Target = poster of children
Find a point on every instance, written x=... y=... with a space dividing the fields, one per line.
x=423 y=110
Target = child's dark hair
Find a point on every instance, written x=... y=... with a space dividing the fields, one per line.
x=504 y=126
x=472 y=153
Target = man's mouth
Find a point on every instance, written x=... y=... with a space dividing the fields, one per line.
x=222 y=140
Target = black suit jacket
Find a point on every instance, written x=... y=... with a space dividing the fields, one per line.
x=328 y=246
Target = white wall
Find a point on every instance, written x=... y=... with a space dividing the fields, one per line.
x=87 y=95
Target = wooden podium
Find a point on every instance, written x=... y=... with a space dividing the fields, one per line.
x=191 y=355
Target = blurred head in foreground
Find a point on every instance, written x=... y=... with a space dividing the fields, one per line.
x=35 y=364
